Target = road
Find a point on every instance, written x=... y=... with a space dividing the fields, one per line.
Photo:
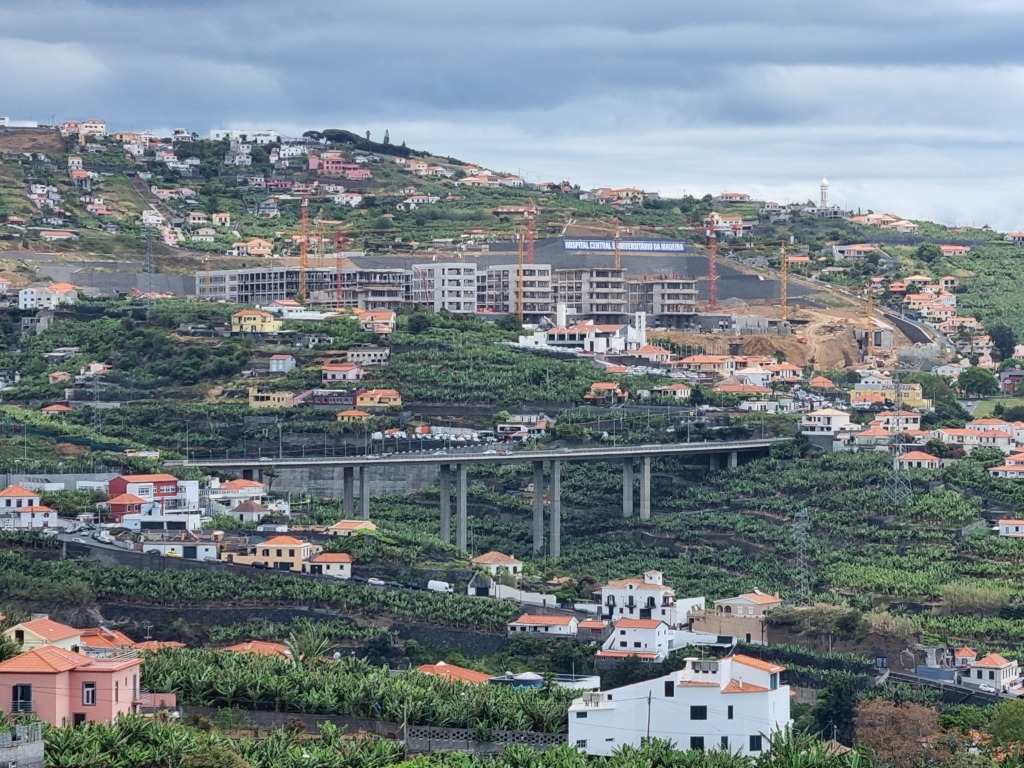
x=512 y=457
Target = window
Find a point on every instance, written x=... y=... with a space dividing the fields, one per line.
x=755 y=743
x=623 y=644
x=698 y=713
x=581 y=743
x=21 y=698
x=991 y=675
x=88 y=694
x=117 y=692
x=581 y=715
x=774 y=681
x=636 y=644
x=697 y=742
x=622 y=631
x=670 y=688
x=730 y=712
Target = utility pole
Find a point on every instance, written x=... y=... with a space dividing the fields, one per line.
x=648 y=715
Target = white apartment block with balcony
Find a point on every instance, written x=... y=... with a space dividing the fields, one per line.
x=449 y=287
x=645 y=598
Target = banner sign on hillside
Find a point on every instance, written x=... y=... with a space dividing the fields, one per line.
x=625 y=246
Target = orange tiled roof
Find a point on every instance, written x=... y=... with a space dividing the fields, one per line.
x=750 y=661
x=333 y=557
x=239 y=484
x=637 y=584
x=965 y=651
x=760 y=598
x=531 y=618
x=49 y=630
x=260 y=648
x=283 y=541
x=127 y=498
x=156 y=645
x=349 y=525
x=101 y=637
x=46 y=660
x=16 y=492
x=918 y=456
x=453 y=672
x=494 y=558
x=737 y=686
x=157 y=478
x=992 y=660
x=637 y=623
x=593 y=624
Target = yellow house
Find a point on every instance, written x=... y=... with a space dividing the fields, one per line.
x=379 y=398
x=254 y=321
x=353 y=415
x=221 y=219
x=45 y=631
x=261 y=398
x=278 y=553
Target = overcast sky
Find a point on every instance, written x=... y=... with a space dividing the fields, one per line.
x=910 y=106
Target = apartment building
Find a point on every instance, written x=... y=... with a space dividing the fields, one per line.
x=669 y=302
x=498 y=290
x=451 y=287
x=597 y=293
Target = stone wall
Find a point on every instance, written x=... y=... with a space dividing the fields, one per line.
x=22 y=747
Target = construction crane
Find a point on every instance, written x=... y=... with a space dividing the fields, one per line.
x=712 y=266
x=339 y=272
x=869 y=347
x=303 y=249
x=531 y=214
x=784 y=285
x=519 y=290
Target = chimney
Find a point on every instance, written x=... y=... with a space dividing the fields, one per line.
x=560 y=313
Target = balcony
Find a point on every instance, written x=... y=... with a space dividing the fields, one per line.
x=21 y=707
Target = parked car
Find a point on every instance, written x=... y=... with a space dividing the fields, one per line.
x=376 y=582
x=262 y=566
x=986 y=688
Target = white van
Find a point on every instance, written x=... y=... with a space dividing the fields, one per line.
x=439 y=586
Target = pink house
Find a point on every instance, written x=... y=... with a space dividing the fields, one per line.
x=340 y=372
x=64 y=688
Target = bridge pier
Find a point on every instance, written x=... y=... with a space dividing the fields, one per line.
x=556 y=508
x=461 y=507
x=627 y=487
x=713 y=462
x=645 y=487
x=538 y=507
x=734 y=459
x=446 y=503
x=347 y=492
x=364 y=493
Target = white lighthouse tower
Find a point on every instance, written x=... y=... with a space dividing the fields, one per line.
x=824 y=194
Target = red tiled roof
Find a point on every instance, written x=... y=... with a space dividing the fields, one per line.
x=918 y=456
x=283 y=541
x=157 y=478
x=127 y=498
x=760 y=598
x=992 y=660
x=101 y=637
x=965 y=651
x=593 y=624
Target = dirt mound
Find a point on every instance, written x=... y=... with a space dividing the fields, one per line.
x=46 y=140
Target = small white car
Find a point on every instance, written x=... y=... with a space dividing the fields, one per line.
x=375 y=581
x=986 y=688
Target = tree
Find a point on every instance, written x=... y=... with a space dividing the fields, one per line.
x=928 y=252
x=1010 y=362
x=1004 y=339
x=937 y=448
x=314 y=135
x=979 y=381
x=509 y=323
x=418 y=323
x=387 y=136
x=837 y=704
x=893 y=732
x=1007 y=725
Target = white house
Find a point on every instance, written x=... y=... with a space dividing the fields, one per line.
x=992 y=670
x=493 y=562
x=549 y=626
x=971 y=439
x=734 y=704
x=351 y=199
x=281 y=363
x=828 y=421
x=648 y=639
x=47 y=296
x=187 y=550
x=646 y=598
x=154 y=518
x=336 y=564
x=1011 y=529
x=340 y=372
x=20 y=508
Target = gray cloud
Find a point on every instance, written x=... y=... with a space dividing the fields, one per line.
x=913 y=107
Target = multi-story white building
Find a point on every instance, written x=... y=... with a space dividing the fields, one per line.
x=597 y=293
x=47 y=296
x=645 y=598
x=734 y=704
x=445 y=286
x=21 y=508
x=248 y=135
x=498 y=290
x=992 y=671
x=649 y=640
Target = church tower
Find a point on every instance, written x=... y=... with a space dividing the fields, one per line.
x=824 y=194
